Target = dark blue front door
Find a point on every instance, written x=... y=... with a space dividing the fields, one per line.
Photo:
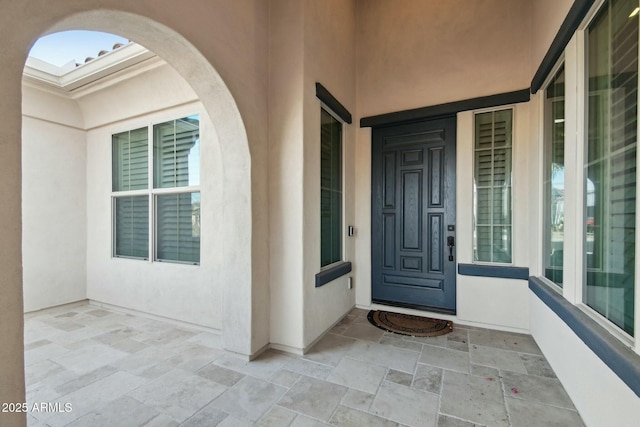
x=413 y=215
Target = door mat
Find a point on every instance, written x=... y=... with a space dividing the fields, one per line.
x=406 y=324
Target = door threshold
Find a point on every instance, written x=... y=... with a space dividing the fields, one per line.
x=415 y=306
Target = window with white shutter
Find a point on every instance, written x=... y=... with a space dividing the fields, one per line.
x=174 y=198
x=492 y=234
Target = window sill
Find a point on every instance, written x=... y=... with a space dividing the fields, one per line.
x=618 y=357
x=503 y=272
x=332 y=273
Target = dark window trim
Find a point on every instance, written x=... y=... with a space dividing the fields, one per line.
x=445 y=110
x=571 y=22
x=330 y=101
x=332 y=273
x=503 y=272
x=621 y=359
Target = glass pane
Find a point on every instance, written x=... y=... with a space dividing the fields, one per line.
x=502 y=128
x=178 y=227
x=484 y=130
x=484 y=168
x=554 y=178
x=502 y=205
x=492 y=186
x=330 y=189
x=501 y=167
x=610 y=188
x=131 y=227
x=176 y=153
x=482 y=243
x=129 y=160
x=483 y=211
x=502 y=244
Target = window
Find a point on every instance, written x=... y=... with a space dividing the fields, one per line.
x=492 y=186
x=610 y=162
x=330 y=189
x=165 y=217
x=554 y=178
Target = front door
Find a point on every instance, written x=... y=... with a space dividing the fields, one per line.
x=413 y=215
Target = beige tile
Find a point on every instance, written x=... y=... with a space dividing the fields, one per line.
x=504 y=340
x=384 y=355
x=358 y=375
x=330 y=349
x=121 y=412
x=536 y=389
x=220 y=375
x=264 y=367
x=473 y=398
x=358 y=400
x=89 y=358
x=496 y=358
x=404 y=405
x=309 y=368
x=249 y=399
x=428 y=378
x=178 y=394
x=277 y=417
x=314 y=398
x=348 y=417
x=398 y=377
x=363 y=331
x=529 y=414
x=445 y=358
x=285 y=378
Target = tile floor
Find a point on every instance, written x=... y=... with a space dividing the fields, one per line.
x=116 y=369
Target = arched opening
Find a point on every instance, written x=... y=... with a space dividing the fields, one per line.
x=235 y=197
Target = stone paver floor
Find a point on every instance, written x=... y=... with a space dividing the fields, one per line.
x=96 y=367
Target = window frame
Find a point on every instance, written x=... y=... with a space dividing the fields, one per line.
x=151 y=192
x=513 y=109
x=342 y=260
x=575 y=57
x=545 y=137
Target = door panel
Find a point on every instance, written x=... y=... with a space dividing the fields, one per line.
x=413 y=208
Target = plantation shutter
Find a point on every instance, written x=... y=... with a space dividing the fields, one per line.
x=132 y=226
x=493 y=165
x=176 y=146
x=176 y=151
x=178 y=227
x=130 y=156
x=130 y=171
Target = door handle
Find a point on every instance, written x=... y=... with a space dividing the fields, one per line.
x=451 y=243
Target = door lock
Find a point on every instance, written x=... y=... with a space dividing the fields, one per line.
x=451 y=243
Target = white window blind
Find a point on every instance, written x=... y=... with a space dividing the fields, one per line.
x=492 y=186
x=175 y=193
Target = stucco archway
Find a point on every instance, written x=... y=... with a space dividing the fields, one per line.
x=224 y=113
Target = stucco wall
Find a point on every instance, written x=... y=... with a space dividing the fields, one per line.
x=286 y=55
x=54 y=211
x=329 y=39
x=431 y=52
x=309 y=42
